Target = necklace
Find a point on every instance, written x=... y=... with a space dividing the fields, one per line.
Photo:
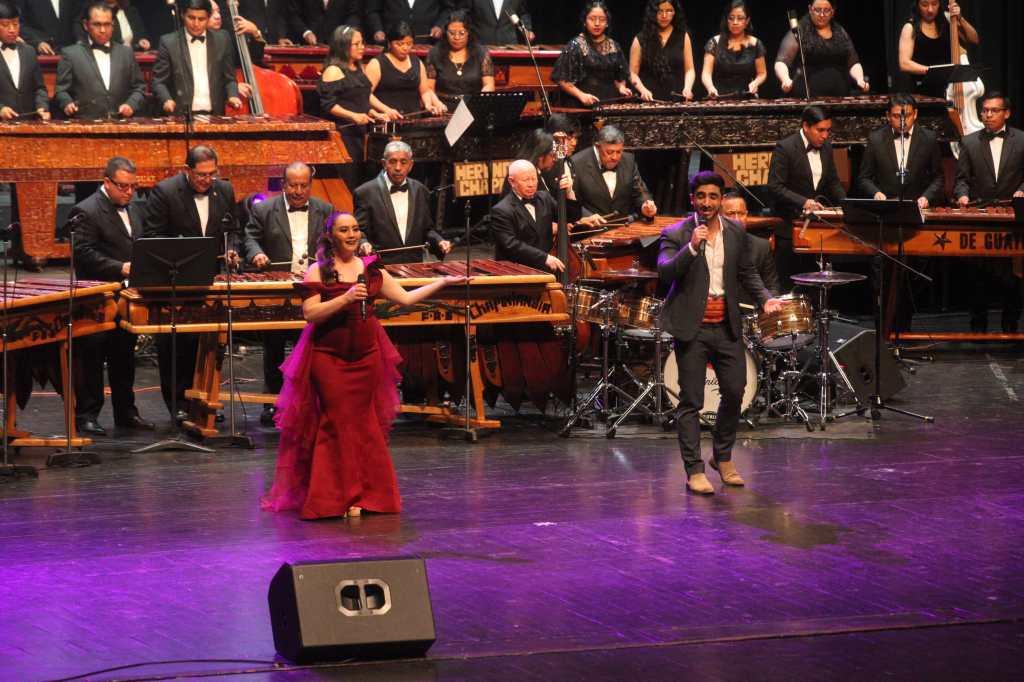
x=458 y=68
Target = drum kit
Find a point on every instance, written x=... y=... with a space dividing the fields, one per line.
x=792 y=375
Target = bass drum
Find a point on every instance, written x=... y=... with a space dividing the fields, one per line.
x=712 y=396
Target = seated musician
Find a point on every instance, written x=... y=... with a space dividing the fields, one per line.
x=282 y=234
x=661 y=57
x=24 y=91
x=100 y=78
x=194 y=203
x=592 y=67
x=608 y=182
x=734 y=207
x=734 y=60
x=925 y=42
x=204 y=85
x=801 y=172
x=492 y=24
x=314 y=21
x=49 y=25
x=459 y=65
x=832 y=60
x=103 y=250
x=991 y=169
x=398 y=78
x=424 y=16
x=393 y=210
x=129 y=28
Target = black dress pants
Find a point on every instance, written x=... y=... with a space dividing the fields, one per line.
x=274 y=345
x=713 y=344
x=187 y=351
x=116 y=349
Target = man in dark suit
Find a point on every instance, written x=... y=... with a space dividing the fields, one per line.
x=608 y=180
x=802 y=171
x=492 y=26
x=991 y=168
x=704 y=261
x=270 y=18
x=129 y=27
x=734 y=207
x=282 y=234
x=190 y=204
x=205 y=83
x=313 y=21
x=50 y=24
x=22 y=89
x=425 y=16
x=108 y=226
x=393 y=210
x=522 y=222
x=101 y=78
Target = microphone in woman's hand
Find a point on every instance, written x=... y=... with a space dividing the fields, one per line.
x=361 y=279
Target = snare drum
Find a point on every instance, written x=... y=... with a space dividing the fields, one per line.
x=791 y=326
x=584 y=302
x=712 y=396
x=640 y=313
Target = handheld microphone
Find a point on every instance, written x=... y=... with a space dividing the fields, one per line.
x=703 y=242
x=794 y=22
x=10 y=230
x=514 y=18
x=361 y=279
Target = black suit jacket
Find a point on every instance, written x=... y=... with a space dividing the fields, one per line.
x=269 y=233
x=310 y=15
x=422 y=16
x=879 y=168
x=975 y=171
x=761 y=256
x=592 y=192
x=376 y=217
x=134 y=20
x=171 y=210
x=30 y=95
x=102 y=244
x=270 y=17
x=497 y=30
x=689 y=279
x=79 y=80
x=39 y=24
x=173 y=80
x=790 y=180
x=518 y=237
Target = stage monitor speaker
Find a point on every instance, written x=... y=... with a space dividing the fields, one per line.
x=334 y=610
x=853 y=350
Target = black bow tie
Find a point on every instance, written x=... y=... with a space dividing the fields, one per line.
x=294 y=209
x=607 y=170
x=404 y=187
x=986 y=135
x=529 y=202
x=897 y=135
x=812 y=148
x=101 y=48
x=10 y=46
x=197 y=39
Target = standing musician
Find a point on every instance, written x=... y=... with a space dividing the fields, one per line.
x=458 y=64
x=22 y=90
x=832 y=60
x=207 y=82
x=314 y=21
x=559 y=124
x=103 y=250
x=393 y=210
x=661 y=56
x=492 y=23
x=255 y=41
x=591 y=66
x=734 y=207
x=194 y=203
x=991 y=168
x=50 y=24
x=424 y=16
x=608 y=180
x=704 y=261
x=270 y=18
x=129 y=28
x=925 y=42
x=282 y=234
x=99 y=78
x=802 y=171
x=734 y=60
x=399 y=79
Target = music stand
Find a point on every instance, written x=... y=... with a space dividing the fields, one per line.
x=945 y=75
x=163 y=262
x=1018 y=210
x=894 y=212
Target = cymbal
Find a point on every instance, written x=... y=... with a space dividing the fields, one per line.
x=630 y=273
x=826 y=278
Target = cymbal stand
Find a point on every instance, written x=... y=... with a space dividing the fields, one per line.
x=9 y=471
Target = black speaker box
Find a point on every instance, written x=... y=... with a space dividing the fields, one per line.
x=853 y=349
x=335 y=610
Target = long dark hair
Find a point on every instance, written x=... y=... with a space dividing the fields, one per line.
x=650 y=43
x=537 y=143
x=325 y=249
x=459 y=16
x=810 y=36
x=601 y=5
x=941 y=22
x=339 y=49
x=723 y=28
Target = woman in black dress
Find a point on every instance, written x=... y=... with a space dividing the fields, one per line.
x=924 y=42
x=661 y=57
x=459 y=65
x=591 y=66
x=832 y=60
x=734 y=60
x=399 y=79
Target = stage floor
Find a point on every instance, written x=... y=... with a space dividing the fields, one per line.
x=893 y=550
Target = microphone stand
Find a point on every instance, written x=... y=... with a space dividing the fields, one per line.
x=233 y=439
x=545 y=103
x=803 y=60
x=185 y=62
x=467 y=431
x=7 y=469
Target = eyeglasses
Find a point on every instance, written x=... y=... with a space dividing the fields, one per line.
x=992 y=111
x=124 y=186
x=823 y=11
x=205 y=176
x=458 y=34
x=736 y=19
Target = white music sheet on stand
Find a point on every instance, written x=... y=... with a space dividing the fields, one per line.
x=459 y=124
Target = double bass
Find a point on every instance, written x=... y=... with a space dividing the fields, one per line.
x=963 y=96
x=272 y=92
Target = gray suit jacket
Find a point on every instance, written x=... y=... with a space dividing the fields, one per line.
x=376 y=216
x=79 y=80
x=173 y=80
x=976 y=173
x=30 y=95
x=592 y=192
x=269 y=233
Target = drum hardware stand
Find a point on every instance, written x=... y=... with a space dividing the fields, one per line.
x=69 y=457
x=788 y=406
x=9 y=471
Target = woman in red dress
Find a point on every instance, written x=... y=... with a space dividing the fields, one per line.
x=340 y=394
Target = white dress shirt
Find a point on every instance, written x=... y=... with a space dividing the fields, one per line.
x=530 y=208
x=122 y=212
x=126 y=28
x=902 y=148
x=13 y=60
x=203 y=208
x=996 y=145
x=610 y=177
x=400 y=202
x=814 y=158
x=497 y=8
x=201 y=100
x=298 y=226
x=103 y=64
x=56 y=7
x=714 y=255
x=411 y=3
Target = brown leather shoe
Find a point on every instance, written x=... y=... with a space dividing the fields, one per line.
x=699 y=483
x=727 y=470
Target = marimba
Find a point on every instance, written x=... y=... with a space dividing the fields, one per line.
x=513 y=312
x=36 y=313
x=38 y=156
